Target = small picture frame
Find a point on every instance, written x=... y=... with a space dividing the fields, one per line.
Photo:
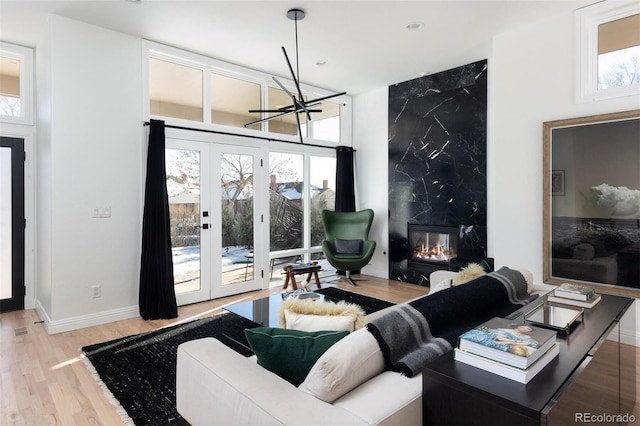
x=557 y=182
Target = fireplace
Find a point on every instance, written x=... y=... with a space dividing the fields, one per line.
x=432 y=245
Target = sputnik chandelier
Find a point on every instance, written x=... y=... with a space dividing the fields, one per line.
x=298 y=104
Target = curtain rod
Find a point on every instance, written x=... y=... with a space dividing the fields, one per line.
x=146 y=123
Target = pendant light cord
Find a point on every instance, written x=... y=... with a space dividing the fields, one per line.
x=297 y=53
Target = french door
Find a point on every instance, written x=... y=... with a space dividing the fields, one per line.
x=12 y=254
x=215 y=201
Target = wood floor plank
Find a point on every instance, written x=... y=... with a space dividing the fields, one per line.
x=43 y=380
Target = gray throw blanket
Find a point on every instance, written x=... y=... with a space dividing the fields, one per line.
x=413 y=334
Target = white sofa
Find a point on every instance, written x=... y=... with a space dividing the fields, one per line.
x=216 y=385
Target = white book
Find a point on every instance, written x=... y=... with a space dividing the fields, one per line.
x=572 y=302
x=574 y=291
x=502 y=340
x=504 y=370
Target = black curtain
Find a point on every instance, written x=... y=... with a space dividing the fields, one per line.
x=345 y=193
x=157 y=296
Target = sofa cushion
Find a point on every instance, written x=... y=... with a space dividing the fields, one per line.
x=290 y=353
x=310 y=315
x=344 y=366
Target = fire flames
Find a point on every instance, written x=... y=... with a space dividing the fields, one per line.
x=436 y=252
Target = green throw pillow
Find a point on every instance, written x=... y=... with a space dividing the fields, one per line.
x=290 y=353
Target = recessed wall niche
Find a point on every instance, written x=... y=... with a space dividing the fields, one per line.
x=437 y=158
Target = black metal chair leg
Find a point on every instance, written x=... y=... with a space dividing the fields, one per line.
x=348 y=274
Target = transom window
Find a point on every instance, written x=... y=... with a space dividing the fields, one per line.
x=189 y=87
x=609 y=61
x=619 y=52
x=16 y=84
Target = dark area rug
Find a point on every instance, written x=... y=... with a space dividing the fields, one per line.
x=368 y=304
x=140 y=370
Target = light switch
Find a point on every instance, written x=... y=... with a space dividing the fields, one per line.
x=101 y=212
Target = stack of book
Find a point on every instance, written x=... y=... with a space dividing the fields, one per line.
x=574 y=295
x=517 y=352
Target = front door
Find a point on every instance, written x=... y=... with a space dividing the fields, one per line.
x=215 y=229
x=12 y=224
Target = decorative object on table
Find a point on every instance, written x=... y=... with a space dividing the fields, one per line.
x=300 y=294
x=344 y=233
x=522 y=375
x=309 y=315
x=502 y=340
x=573 y=302
x=574 y=291
x=554 y=317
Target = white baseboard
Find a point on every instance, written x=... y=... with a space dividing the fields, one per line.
x=75 y=323
x=630 y=337
x=374 y=272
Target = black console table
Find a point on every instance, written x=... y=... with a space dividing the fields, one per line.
x=459 y=394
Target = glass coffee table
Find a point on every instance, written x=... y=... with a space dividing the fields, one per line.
x=262 y=311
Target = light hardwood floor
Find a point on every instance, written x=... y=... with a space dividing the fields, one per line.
x=43 y=380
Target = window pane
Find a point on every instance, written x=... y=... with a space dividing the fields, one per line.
x=287 y=124
x=183 y=188
x=326 y=124
x=285 y=200
x=231 y=99
x=175 y=90
x=237 y=214
x=6 y=223
x=619 y=53
x=323 y=193
x=9 y=87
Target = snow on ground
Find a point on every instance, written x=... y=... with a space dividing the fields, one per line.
x=187 y=259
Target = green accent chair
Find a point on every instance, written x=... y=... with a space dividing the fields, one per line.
x=347 y=246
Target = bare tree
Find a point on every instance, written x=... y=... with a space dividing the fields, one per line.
x=621 y=75
x=10 y=106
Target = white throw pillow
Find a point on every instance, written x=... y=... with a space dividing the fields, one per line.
x=528 y=277
x=346 y=365
x=312 y=315
x=442 y=285
x=306 y=322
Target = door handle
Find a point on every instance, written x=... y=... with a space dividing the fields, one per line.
x=203 y=226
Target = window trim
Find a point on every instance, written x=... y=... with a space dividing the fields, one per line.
x=209 y=65
x=587 y=21
x=25 y=56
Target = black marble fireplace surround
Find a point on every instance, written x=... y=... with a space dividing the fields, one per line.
x=437 y=159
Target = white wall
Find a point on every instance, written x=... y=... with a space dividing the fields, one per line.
x=533 y=76
x=531 y=80
x=372 y=163
x=89 y=155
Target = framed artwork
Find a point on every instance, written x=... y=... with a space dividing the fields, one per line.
x=557 y=182
x=591 y=202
